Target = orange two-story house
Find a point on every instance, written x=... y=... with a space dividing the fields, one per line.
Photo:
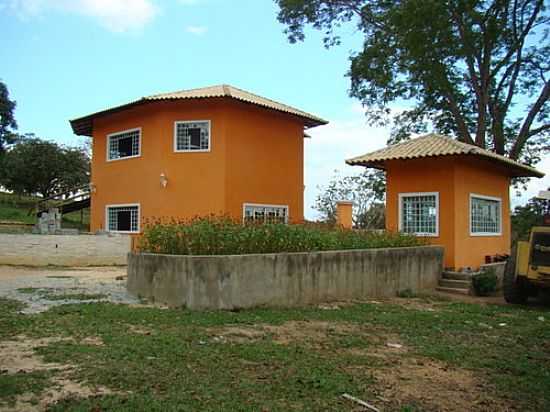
x=214 y=150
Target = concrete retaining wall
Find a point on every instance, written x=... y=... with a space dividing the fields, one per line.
x=286 y=279
x=64 y=250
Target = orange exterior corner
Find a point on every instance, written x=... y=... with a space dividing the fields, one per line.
x=454 y=179
x=255 y=156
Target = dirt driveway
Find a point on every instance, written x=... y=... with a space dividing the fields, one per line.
x=43 y=287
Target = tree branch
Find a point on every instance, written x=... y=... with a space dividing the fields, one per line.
x=538 y=130
x=524 y=131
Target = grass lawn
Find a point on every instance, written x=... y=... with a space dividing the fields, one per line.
x=402 y=355
x=15 y=208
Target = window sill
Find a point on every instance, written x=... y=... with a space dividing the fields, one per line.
x=192 y=151
x=422 y=234
x=485 y=234
x=123 y=158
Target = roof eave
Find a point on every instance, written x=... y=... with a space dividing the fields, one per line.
x=83 y=126
x=370 y=165
x=517 y=170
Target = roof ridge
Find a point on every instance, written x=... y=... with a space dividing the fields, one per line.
x=268 y=99
x=194 y=89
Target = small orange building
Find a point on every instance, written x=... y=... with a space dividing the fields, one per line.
x=451 y=193
x=214 y=150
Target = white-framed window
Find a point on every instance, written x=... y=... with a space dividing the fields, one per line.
x=419 y=213
x=192 y=136
x=124 y=145
x=485 y=215
x=258 y=213
x=122 y=218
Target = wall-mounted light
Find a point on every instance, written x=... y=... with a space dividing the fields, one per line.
x=93 y=188
x=163 y=180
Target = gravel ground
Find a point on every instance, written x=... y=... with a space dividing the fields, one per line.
x=43 y=287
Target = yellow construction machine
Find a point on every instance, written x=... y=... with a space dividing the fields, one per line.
x=527 y=271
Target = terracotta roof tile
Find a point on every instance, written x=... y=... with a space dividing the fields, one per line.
x=83 y=125
x=432 y=145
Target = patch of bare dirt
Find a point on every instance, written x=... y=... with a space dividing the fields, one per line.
x=314 y=332
x=139 y=330
x=435 y=386
x=92 y=341
x=19 y=356
x=417 y=304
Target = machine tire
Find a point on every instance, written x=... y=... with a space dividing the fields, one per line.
x=515 y=290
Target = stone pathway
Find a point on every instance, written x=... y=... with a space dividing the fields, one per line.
x=44 y=287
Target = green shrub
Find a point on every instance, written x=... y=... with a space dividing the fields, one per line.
x=406 y=293
x=222 y=236
x=485 y=283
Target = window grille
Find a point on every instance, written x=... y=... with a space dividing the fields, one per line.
x=192 y=136
x=419 y=214
x=124 y=144
x=485 y=215
x=123 y=219
x=265 y=214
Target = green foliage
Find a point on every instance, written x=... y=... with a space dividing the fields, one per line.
x=18 y=208
x=485 y=283
x=467 y=68
x=22 y=383
x=366 y=191
x=7 y=119
x=406 y=293
x=38 y=166
x=527 y=216
x=223 y=236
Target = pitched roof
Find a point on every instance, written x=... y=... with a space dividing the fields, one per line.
x=432 y=145
x=84 y=125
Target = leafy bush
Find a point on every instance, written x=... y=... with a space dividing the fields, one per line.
x=223 y=236
x=485 y=283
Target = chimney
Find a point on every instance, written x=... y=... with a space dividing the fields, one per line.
x=344 y=211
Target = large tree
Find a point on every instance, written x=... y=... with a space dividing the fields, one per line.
x=7 y=119
x=474 y=69
x=35 y=166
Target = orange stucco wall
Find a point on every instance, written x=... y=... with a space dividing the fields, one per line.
x=454 y=178
x=265 y=160
x=256 y=156
x=481 y=178
x=344 y=214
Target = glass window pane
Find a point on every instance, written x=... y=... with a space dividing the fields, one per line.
x=123 y=219
x=192 y=136
x=485 y=215
x=125 y=144
x=419 y=214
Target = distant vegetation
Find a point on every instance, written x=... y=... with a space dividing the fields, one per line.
x=20 y=209
x=222 y=236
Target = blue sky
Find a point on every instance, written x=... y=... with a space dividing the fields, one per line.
x=66 y=58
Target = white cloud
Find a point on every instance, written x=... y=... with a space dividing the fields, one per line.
x=114 y=15
x=534 y=186
x=330 y=146
x=189 y=2
x=196 y=30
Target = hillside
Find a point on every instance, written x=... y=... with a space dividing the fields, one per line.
x=17 y=215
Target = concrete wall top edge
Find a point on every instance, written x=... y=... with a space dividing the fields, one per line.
x=324 y=252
